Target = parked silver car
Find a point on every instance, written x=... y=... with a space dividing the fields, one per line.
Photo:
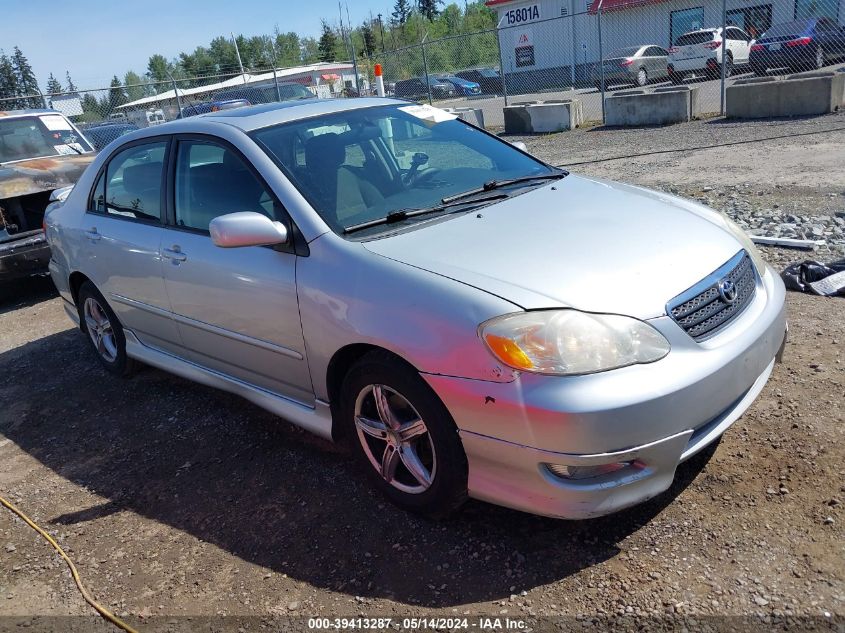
x=472 y=321
x=637 y=65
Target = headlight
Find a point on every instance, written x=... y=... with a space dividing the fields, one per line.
x=566 y=342
x=742 y=237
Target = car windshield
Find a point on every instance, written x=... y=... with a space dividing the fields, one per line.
x=37 y=136
x=358 y=166
x=694 y=38
x=624 y=52
x=487 y=72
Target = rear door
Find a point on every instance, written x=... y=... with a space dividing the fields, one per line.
x=237 y=309
x=123 y=227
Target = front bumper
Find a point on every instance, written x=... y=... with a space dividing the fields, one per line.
x=24 y=257
x=649 y=417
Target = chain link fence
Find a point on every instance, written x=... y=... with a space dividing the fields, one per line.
x=586 y=51
x=612 y=45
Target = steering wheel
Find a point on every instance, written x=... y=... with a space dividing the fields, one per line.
x=422 y=178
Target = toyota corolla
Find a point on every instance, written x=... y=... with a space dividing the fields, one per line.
x=471 y=321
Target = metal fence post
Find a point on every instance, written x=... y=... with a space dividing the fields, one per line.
x=176 y=92
x=601 y=66
x=724 y=56
x=501 y=64
x=425 y=69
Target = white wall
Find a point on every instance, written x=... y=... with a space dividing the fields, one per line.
x=553 y=39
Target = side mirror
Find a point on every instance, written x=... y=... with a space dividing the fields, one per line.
x=246 y=228
x=520 y=146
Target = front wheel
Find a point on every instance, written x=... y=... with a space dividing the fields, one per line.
x=104 y=331
x=403 y=436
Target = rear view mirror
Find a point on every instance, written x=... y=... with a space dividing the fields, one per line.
x=246 y=228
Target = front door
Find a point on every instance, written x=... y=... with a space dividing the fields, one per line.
x=236 y=309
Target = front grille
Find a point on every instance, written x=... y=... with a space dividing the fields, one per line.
x=703 y=309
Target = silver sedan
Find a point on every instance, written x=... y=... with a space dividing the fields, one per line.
x=469 y=320
x=638 y=65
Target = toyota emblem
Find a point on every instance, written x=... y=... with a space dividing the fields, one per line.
x=728 y=291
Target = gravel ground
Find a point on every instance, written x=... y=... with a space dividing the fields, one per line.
x=177 y=500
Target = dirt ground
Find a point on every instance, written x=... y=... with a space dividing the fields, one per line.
x=179 y=501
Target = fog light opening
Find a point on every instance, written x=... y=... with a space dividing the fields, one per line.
x=589 y=472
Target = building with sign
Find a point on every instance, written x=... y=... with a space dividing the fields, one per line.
x=554 y=43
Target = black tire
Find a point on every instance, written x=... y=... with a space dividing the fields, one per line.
x=440 y=446
x=120 y=364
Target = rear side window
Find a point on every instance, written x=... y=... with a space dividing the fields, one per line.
x=694 y=38
x=130 y=185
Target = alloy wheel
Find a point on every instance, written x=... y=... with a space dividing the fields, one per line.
x=395 y=439
x=100 y=330
x=642 y=77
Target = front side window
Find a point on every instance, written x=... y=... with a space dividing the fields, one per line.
x=212 y=180
x=358 y=166
x=130 y=185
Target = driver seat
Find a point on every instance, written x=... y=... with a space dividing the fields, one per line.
x=340 y=191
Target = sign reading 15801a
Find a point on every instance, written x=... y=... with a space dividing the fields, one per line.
x=523 y=14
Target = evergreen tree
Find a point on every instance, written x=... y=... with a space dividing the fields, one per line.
x=8 y=83
x=401 y=12
x=428 y=8
x=117 y=95
x=53 y=85
x=158 y=68
x=369 y=38
x=71 y=87
x=27 y=84
x=135 y=88
x=328 y=43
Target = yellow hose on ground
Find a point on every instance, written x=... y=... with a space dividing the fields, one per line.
x=108 y=615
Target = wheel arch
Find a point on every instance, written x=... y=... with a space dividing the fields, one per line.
x=340 y=364
x=75 y=281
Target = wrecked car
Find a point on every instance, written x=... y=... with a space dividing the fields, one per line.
x=42 y=154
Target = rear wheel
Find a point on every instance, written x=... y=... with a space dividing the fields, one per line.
x=104 y=331
x=403 y=436
x=820 y=57
x=642 y=77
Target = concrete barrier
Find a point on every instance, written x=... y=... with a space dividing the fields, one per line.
x=802 y=94
x=537 y=117
x=475 y=116
x=662 y=106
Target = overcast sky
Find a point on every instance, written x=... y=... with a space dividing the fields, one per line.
x=95 y=39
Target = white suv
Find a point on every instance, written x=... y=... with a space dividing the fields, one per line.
x=700 y=52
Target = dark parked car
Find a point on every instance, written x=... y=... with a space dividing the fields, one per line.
x=799 y=45
x=266 y=94
x=193 y=109
x=102 y=134
x=488 y=78
x=462 y=86
x=415 y=89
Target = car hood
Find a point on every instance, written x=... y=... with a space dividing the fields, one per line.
x=588 y=244
x=24 y=177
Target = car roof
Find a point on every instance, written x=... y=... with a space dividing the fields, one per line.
x=28 y=112
x=249 y=118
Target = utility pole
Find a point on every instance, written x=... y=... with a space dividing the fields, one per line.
x=238 y=53
x=381 y=28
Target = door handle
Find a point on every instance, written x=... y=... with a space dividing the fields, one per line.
x=93 y=235
x=174 y=254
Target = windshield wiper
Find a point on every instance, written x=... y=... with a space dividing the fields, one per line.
x=498 y=184
x=404 y=214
